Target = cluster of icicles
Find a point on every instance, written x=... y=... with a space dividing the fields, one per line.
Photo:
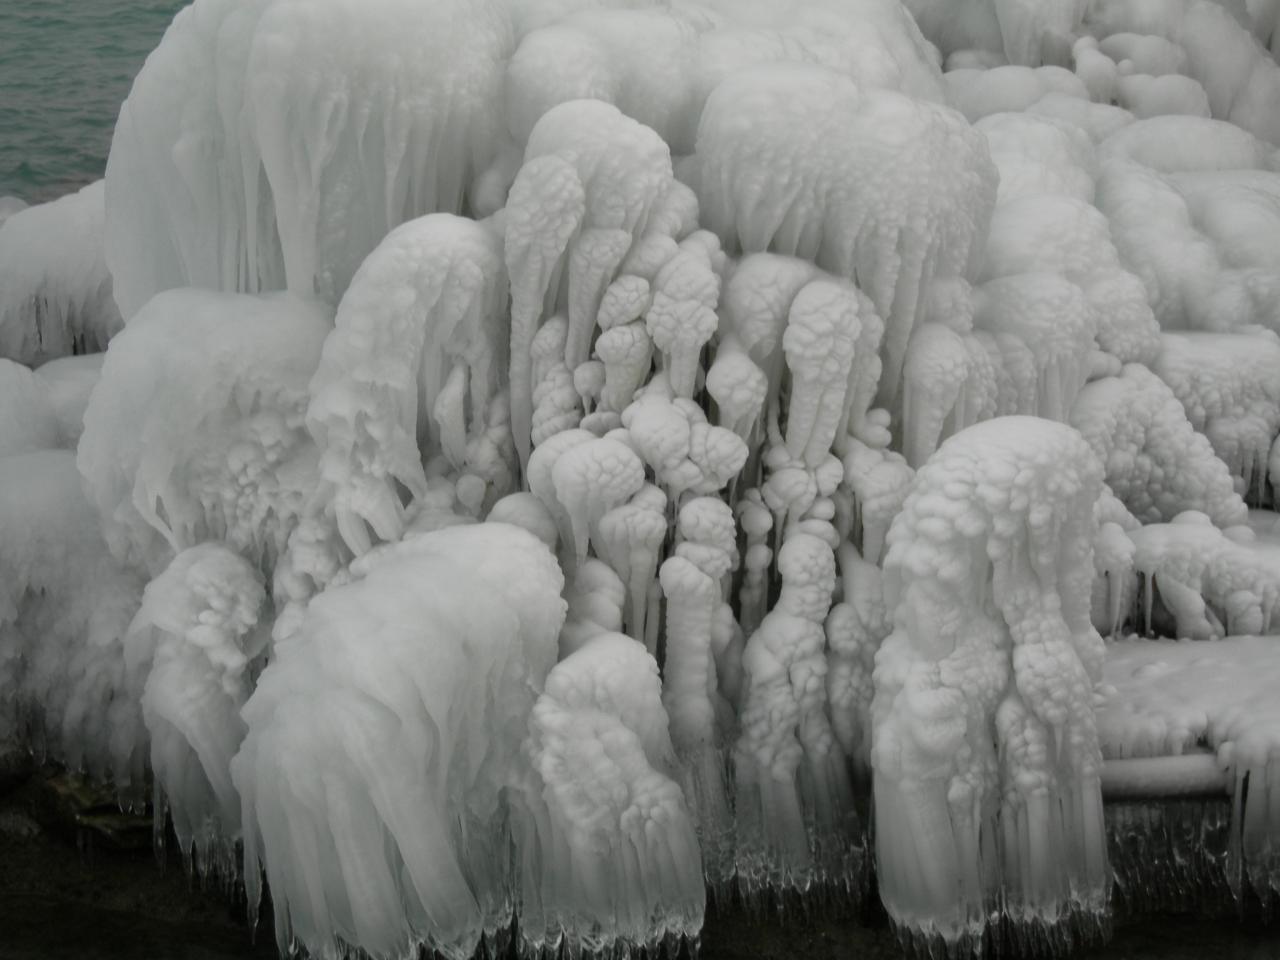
x=622 y=541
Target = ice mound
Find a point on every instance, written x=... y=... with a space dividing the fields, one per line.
x=55 y=291
x=382 y=738
x=987 y=767
x=610 y=856
x=65 y=607
x=1164 y=701
x=195 y=430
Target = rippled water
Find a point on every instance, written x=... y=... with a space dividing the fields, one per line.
x=65 y=67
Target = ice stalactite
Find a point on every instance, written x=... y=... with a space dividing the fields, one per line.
x=593 y=183
x=1155 y=461
x=235 y=166
x=1053 y=319
x=1114 y=585
x=55 y=291
x=702 y=673
x=195 y=430
x=986 y=762
x=373 y=773
x=855 y=627
x=191 y=652
x=411 y=372
x=878 y=480
x=632 y=535
x=797 y=827
x=840 y=199
x=65 y=608
x=609 y=858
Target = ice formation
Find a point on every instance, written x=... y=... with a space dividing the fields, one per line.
x=238 y=167
x=399 y=744
x=567 y=459
x=986 y=757
x=610 y=845
x=195 y=430
x=191 y=650
x=55 y=291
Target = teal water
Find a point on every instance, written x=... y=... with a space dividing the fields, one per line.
x=65 y=67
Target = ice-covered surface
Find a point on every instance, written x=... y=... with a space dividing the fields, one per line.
x=1164 y=699
x=987 y=765
x=55 y=291
x=195 y=429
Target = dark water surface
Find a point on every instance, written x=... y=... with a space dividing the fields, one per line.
x=65 y=68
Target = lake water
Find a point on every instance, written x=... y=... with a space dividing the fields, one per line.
x=65 y=67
